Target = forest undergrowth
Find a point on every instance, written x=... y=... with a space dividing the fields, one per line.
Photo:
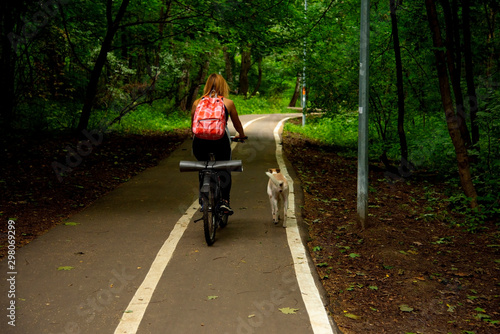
x=37 y=198
x=410 y=270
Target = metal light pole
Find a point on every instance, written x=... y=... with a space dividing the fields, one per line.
x=304 y=95
x=364 y=66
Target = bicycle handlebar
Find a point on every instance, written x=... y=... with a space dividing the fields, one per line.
x=226 y=165
x=239 y=139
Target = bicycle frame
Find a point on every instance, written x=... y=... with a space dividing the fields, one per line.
x=208 y=168
x=210 y=191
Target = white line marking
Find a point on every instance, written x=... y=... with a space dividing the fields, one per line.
x=135 y=310
x=320 y=321
x=233 y=144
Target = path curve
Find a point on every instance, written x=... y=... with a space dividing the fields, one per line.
x=140 y=264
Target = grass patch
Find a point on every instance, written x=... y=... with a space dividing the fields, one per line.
x=146 y=120
x=339 y=131
x=259 y=105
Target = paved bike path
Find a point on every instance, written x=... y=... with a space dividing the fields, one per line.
x=236 y=286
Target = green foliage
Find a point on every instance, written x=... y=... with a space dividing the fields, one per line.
x=149 y=119
x=279 y=80
x=342 y=130
x=474 y=220
x=258 y=105
x=486 y=168
x=47 y=115
x=489 y=124
x=429 y=144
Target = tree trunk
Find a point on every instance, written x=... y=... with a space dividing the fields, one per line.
x=195 y=86
x=420 y=94
x=95 y=74
x=246 y=63
x=182 y=90
x=401 y=97
x=454 y=58
x=228 y=60
x=9 y=14
x=469 y=73
x=164 y=13
x=451 y=119
x=259 y=80
x=296 y=93
x=7 y=81
x=490 y=14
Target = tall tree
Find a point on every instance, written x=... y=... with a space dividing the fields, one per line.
x=254 y=27
x=246 y=64
x=491 y=11
x=7 y=62
x=401 y=95
x=228 y=61
x=469 y=72
x=112 y=27
x=296 y=92
x=454 y=61
x=447 y=101
x=197 y=82
x=259 y=78
x=14 y=36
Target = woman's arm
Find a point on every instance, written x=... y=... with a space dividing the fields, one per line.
x=234 y=118
x=193 y=109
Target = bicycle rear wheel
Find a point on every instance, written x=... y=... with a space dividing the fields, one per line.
x=223 y=220
x=209 y=216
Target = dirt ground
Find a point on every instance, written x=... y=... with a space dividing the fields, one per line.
x=408 y=272
x=33 y=195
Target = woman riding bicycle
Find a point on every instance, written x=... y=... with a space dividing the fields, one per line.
x=221 y=148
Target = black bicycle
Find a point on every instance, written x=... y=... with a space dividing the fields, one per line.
x=210 y=191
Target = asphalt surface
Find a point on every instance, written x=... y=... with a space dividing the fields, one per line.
x=245 y=283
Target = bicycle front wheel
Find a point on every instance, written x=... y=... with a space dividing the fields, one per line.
x=209 y=216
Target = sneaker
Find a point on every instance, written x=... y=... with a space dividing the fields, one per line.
x=226 y=208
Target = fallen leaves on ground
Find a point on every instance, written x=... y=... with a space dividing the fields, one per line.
x=409 y=271
x=32 y=195
x=288 y=310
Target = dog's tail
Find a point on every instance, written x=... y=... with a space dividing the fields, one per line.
x=274 y=179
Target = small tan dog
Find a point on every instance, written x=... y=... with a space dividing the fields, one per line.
x=277 y=189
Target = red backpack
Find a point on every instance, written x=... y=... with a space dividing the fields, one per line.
x=209 y=121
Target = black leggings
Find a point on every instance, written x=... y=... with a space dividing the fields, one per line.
x=221 y=148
